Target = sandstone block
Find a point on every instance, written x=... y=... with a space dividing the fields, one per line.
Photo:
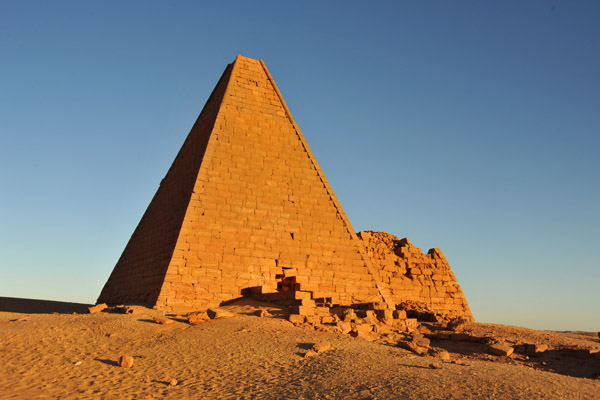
x=218 y=312
x=500 y=349
x=535 y=349
x=322 y=347
x=197 y=317
x=162 y=321
x=97 y=308
x=296 y=319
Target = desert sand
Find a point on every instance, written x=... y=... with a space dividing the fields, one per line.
x=53 y=350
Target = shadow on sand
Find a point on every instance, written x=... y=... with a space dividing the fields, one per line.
x=33 y=306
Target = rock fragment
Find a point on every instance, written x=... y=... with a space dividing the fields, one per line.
x=125 y=361
x=97 y=308
x=435 y=366
x=500 y=349
x=535 y=349
x=440 y=354
x=173 y=382
x=216 y=312
x=296 y=319
x=197 y=317
x=457 y=324
x=162 y=321
x=262 y=313
x=322 y=347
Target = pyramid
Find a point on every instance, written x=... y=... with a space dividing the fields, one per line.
x=243 y=201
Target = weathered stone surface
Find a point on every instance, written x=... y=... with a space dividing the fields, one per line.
x=262 y=313
x=125 y=361
x=197 y=317
x=322 y=347
x=344 y=326
x=162 y=321
x=535 y=349
x=457 y=324
x=500 y=349
x=296 y=319
x=412 y=276
x=441 y=354
x=435 y=366
x=97 y=308
x=216 y=312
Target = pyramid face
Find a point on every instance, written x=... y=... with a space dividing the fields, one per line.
x=244 y=200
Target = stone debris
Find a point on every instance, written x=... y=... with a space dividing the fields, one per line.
x=173 y=382
x=440 y=354
x=535 y=349
x=197 y=317
x=322 y=347
x=418 y=344
x=97 y=308
x=457 y=324
x=127 y=310
x=216 y=312
x=296 y=319
x=435 y=366
x=344 y=327
x=500 y=349
x=125 y=361
x=162 y=321
x=262 y=313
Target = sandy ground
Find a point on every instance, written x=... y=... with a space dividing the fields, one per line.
x=74 y=356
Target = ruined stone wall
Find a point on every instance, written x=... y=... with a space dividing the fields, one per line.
x=410 y=275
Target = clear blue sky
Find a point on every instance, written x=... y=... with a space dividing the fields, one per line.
x=466 y=125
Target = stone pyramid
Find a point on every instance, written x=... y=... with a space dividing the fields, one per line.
x=243 y=201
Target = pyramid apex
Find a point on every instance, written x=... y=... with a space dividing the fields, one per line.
x=241 y=57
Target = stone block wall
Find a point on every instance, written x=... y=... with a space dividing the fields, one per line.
x=412 y=276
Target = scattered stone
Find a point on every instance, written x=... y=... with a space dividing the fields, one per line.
x=461 y=337
x=457 y=324
x=349 y=315
x=458 y=362
x=362 y=335
x=162 y=321
x=97 y=308
x=535 y=349
x=435 y=366
x=296 y=319
x=127 y=310
x=78 y=362
x=216 y=312
x=500 y=349
x=440 y=354
x=126 y=361
x=421 y=341
x=262 y=313
x=322 y=347
x=173 y=382
x=197 y=317
x=327 y=319
x=412 y=347
x=344 y=327
x=310 y=353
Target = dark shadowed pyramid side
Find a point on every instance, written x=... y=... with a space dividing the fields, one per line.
x=139 y=274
